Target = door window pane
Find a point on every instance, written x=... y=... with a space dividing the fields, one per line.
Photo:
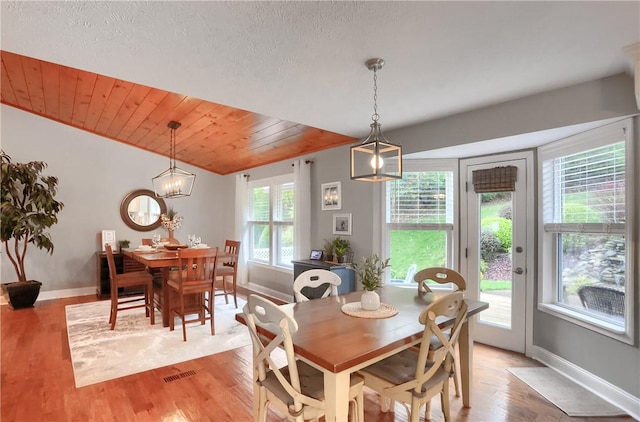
x=496 y=234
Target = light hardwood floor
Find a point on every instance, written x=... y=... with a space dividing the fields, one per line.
x=37 y=383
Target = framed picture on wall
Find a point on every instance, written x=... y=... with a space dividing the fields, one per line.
x=331 y=196
x=342 y=224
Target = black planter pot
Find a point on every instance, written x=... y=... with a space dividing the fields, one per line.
x=22 y=295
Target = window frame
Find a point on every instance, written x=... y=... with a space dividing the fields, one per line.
x=275 y=225
x=548 y=235
x=451 y=229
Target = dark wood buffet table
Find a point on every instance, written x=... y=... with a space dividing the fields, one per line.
x=339 y=344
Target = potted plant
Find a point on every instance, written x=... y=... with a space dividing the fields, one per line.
x=341 y=248
x=29 y=208
x=122 y=244
x=370 y=272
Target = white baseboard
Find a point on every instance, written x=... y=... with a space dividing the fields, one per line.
x=270 y=292
x=59 y=294
x=55 y=294
x=591 y=382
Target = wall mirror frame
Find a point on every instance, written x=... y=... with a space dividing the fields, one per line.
x=133 y=202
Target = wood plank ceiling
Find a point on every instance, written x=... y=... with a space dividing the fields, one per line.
x=213 y=137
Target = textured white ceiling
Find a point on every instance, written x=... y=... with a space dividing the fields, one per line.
x=304 y=61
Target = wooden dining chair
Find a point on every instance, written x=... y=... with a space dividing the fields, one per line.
x=410 y=377
x=295 y=389
x=193 y=278
x=442 y=275
x=228 y=271
x=129 y=280
x=314 y=279
x=147 y=241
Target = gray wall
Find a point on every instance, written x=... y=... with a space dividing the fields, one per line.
x=357 y=198
x=95 y=174
x=611 y=360
x=587 y=102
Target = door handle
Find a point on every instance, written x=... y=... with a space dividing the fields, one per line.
x=518 y=270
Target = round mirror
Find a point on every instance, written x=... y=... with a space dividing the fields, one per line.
x=140 y=210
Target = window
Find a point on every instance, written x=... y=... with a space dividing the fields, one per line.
x=585 y=264
x=270 y=221
x=420 y=217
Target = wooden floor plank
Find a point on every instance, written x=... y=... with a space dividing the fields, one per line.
x=37 y=383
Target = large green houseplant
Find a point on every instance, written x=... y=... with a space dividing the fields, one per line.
x=29 y=208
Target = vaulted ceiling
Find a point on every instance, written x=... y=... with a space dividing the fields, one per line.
x=212 y=136
x=257 y=82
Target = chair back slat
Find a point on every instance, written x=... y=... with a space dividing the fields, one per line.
x=315 y=278
x=197 y=264
x=440 y=275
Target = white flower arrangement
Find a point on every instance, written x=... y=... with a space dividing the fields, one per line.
x=171 y=221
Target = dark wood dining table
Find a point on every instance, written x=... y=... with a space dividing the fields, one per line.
x=338 y=344
x=163 y=260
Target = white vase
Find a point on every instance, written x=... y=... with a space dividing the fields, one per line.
x=370 y=301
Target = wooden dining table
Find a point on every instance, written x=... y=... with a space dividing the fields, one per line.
x=163 y=260
x=338 y=344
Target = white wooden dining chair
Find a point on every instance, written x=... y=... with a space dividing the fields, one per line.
x=410 y=377
x=296 y=389
x=442 y=275
x=313 y=279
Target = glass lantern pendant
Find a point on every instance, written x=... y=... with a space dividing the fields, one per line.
x=376 y=159
x=173 y=182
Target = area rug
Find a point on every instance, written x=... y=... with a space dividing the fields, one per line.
x=99 y=354
x=571 y=398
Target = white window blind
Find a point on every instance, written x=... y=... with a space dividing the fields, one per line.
x=259 y=204
x=283 y=202
x=585 y=191
x=421 y=198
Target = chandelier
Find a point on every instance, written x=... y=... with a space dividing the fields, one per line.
x=174 y=182
x=376 y=159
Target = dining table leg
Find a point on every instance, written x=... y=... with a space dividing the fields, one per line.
x=465 y=344
x=336 y=393
x=166 y=302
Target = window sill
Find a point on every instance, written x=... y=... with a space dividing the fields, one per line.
x=591 y=323
x=271 y=267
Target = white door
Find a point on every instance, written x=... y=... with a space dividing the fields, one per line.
x=496 y=255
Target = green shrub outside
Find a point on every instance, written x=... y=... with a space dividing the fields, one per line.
x=505 y=211
x=489 y=246
x=501 y=228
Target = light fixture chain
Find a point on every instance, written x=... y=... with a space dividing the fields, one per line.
x=172 y=149
x=375 y=116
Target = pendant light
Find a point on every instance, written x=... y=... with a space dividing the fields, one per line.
x=376 y=159
x=174 y=182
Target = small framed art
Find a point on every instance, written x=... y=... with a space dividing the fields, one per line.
x=331 y=196
x=108 y=236
x=342 y=224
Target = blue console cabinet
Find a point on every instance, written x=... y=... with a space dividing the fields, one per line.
x=346 y=274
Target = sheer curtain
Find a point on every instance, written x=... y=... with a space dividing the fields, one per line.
x=240 y=225
x=302 y=207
